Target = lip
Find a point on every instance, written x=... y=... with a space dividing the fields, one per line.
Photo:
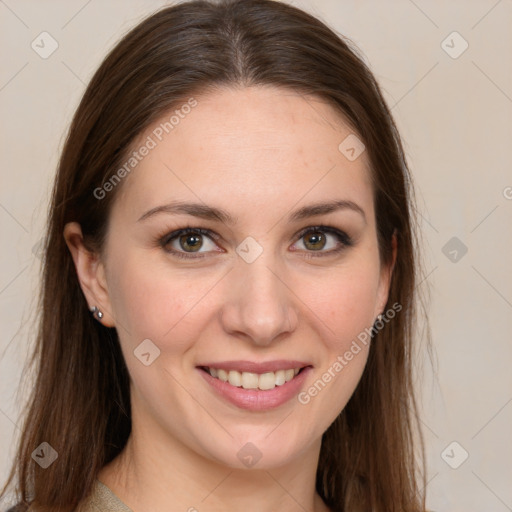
x=256 y=399
x=252 y=367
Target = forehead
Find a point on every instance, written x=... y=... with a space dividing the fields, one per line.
x=257 y=146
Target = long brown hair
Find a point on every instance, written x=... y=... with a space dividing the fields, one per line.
x=80 y=404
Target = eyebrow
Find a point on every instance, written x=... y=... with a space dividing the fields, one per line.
x=211 y=213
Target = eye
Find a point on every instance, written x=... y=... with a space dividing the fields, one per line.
x=194 y=243
x=188 y=242
x=324 y=240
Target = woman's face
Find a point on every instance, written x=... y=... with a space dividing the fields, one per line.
x=262 y=283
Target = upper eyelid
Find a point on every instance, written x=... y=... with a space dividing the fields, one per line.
x=178 y=232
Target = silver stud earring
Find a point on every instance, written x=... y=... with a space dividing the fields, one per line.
x=97 y=312
x=375 y=327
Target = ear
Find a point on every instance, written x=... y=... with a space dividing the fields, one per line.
x=385 y=277
x=91 y=273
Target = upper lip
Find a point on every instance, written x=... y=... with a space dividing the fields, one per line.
x=252 y=367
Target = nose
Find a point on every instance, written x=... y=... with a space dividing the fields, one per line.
x=259 y=304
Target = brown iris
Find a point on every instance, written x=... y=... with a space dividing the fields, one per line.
x=317 y=240
x=190 y=241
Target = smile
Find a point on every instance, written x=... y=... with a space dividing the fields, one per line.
x=248 y=380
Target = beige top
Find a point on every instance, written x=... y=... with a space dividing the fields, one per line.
x=101 y=499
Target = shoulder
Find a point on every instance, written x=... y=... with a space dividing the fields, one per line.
x=101 y=498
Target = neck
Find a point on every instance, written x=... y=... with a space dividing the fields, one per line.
x=155 y=470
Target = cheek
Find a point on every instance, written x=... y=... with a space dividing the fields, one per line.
x=344 y=305
x=150 y=302
x=344 y=301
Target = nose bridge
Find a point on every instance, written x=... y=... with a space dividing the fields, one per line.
x=259 y=303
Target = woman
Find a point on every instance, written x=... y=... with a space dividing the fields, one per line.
x=229 y=281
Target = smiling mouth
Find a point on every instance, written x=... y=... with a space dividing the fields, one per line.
x=247 y=380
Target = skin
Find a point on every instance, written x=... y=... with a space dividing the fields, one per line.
x=259 y=153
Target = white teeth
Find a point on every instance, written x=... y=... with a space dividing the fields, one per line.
x=235 y=378
x=289 y=374
x=268 y=381
x=280 y=377
x=248 y=380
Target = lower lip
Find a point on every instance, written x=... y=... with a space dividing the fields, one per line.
x=257 y=399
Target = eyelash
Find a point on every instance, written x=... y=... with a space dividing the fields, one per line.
x=345 y=240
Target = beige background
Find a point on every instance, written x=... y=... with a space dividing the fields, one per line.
x=455 y=117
